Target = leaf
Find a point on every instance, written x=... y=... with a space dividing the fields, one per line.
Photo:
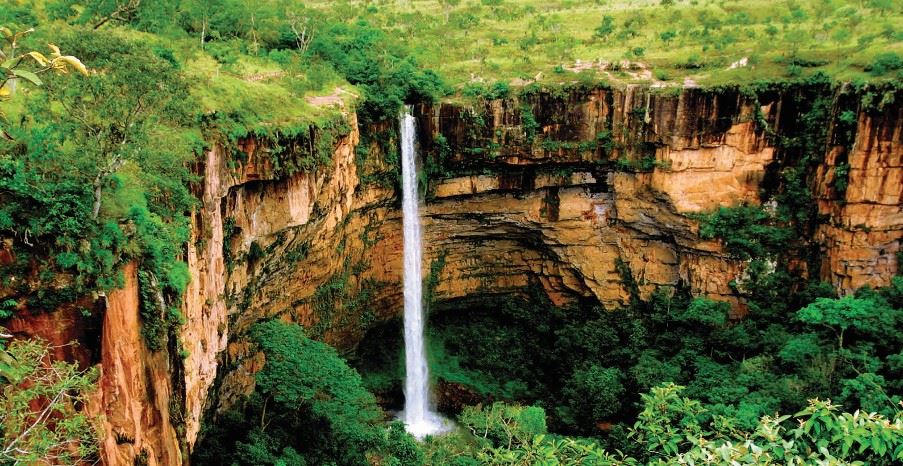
x=6 y=32
x=28 y=76
x=56 y=51
x=75 y=63
x=24 y=33
x=39 y=57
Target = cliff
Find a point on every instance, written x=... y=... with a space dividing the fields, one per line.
x=570 y=190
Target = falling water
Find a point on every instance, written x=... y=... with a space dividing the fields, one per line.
x=418 y=418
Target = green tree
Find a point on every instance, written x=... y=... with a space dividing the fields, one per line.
x=594 y=394
x=667 y=36
x=605 y=28
x=883 y=6
x=504 y=425
x=447 y=6
x=747 y=231
x=702 y=311
x=668 y=423
x=40 y=402
x=13 y=66
x=671 y=429
x=840 y=315
x=308 y=407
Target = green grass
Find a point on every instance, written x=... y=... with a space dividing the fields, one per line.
x=515 y=41
x=259 y=90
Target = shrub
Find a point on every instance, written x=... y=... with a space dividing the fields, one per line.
x=504 y=425
x=885 y=62
x=594 y=393
x=747 y=231
x=308 y=406
x=40 y=407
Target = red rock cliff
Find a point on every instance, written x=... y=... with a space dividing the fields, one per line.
x=610 y=180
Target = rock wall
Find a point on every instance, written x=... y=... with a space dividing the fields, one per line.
x=570 y=191
x=306 y=230
x=861 y=235
x=612 y=178
x=135 y=390
x=608 y=179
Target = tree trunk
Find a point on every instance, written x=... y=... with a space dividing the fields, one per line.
x=98 y=185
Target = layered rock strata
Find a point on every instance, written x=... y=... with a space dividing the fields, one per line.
x=585 y=192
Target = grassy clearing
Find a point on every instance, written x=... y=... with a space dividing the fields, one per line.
x=259 y=90
x=670 y=41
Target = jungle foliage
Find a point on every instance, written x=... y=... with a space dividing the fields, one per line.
x=308 y=408
x=41 y=407
x=97 y=170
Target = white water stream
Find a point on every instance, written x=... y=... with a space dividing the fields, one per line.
x=419 y=420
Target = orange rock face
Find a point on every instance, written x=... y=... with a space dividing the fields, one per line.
x=862 y=235
x=135 y=390
x=614 y=182
x=512 y=220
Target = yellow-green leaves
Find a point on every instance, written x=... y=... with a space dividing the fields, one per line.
x=40 y=58
x=12 y=37
x=61 y=63
x=73 y=62
x=13 y=64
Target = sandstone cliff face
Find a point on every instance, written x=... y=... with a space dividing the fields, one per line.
x=570 y=228
x=610 y=179
x=298 y=222
x=134 y=397
x=135 y=392
x=618 y=171
x=862 y=234
x=519 y=212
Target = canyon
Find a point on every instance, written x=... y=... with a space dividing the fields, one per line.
x=569 y=190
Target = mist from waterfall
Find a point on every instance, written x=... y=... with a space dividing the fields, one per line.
x=417 y=416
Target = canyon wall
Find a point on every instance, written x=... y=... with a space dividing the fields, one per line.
x=589 y=194
x=605 y=187
x=861 y=231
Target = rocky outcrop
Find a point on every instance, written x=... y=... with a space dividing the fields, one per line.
x=134 y=399
x=135 y=392
x=606 y=178
x=568 y=186
x=863 y=231
x=262 y=245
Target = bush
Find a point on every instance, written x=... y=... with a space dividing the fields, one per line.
x=885 y=62
x=366 y=57
x=40 y=407
x=314 y=409
x=594 y=394
x=747 y=231
x=504 y=425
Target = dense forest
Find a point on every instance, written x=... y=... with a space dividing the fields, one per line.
x=108 y=107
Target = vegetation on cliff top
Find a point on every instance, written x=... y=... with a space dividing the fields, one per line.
x=96 y=172
x=706 y=41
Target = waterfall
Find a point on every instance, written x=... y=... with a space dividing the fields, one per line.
x=417 y=416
